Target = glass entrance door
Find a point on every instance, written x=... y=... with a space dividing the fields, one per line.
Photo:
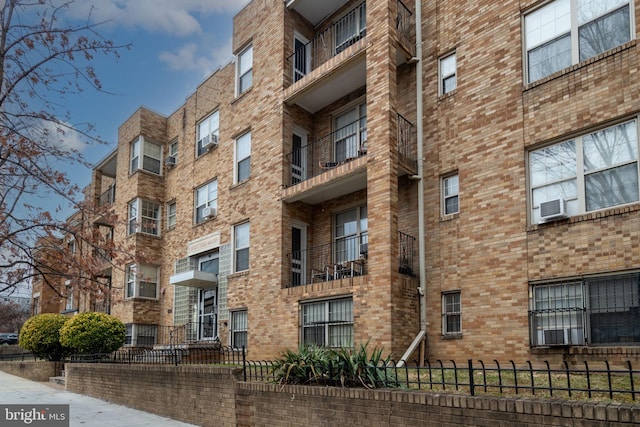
x=208 y=314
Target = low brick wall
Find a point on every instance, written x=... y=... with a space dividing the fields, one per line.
x=34 y=370
x=201 y=395
x=216 y=396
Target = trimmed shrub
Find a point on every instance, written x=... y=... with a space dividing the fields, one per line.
x=92 y=333
x=41 y=335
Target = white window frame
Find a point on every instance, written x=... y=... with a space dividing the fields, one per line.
x=149 y=152
x=576 y=204
x=206 y=196
x=242 y=155
x=330 y=323
x=549 y=32
x=450 y=190
x=349 y=243
x=350 y=28
x=353 y=135
x=452 y=310
x=207 y=128
x=238 y=327
x=299 y=74
x=139 y=220
x=446 y=74
x=150 y=277
x=241 y=243
x=69 y=301
x=135 y=331
x=173 y=149
x=246 y=55
x=172 y=214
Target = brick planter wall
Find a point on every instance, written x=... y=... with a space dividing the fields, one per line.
x=34 y=370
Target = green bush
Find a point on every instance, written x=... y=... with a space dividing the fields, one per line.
x=91 y=333
x=346 y=367
x=41 y=335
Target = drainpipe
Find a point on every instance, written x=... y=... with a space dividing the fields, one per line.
x=422 y=294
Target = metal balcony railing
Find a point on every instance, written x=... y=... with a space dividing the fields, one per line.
x=407 y=148
x=406 y=259
x=336 y=38
x=342 y=146
x=108 y=197
x=404 y=25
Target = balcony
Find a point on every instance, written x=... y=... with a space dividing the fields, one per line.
x=315 y=11
x=108 y=197
x=187 y=274
x=343 y=259
x=341 y=155
x=407 y=147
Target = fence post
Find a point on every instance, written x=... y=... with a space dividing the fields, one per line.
x=175 y=356
x=244 y=365
x=471 y=385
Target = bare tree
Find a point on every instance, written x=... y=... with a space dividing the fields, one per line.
x=44 y=60
x=12 y=316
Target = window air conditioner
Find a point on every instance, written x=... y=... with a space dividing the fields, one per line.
x=555 y=336
x=209 y=212
x=208 y=142
x=553 y=209
x=170 y=161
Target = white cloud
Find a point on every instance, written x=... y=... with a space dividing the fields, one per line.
x=63 y=136
x=189 y=58
x=178 y=18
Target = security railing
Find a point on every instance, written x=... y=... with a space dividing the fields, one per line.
x=220 y=355
x=342 y=146
x=405 y=23
x=108 y=197
x=406 y=259
x=407 y=143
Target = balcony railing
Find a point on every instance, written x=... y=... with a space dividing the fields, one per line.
x=407 y=143
x=404 y=26
x=330 y=42
x=108 y=197
x=342 y=146
x=406 y=245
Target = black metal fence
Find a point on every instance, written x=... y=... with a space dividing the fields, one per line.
x=173 y=356
x=21 y=357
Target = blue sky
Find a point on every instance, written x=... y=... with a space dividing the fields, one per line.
x=176 y=44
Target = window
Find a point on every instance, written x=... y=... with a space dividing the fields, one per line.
x=151 y=155
x=590 y=172
x=328 y=323
x=171 y=214
x=450 y=196
x=245 y=70
x=69 y=302
x=144 y=217
x=140 y=335
x=142 y=281
x=239 y=329
x=173 y=150
x=210 y=262
x=451 y=314
x=599 y=310
x=350 y=137
x=351 y=234
x=448 y=81
x=565 y=32
x=351 y=28
x=72 y=247
x=241 y=246
x=206 y=197
x=208 y=133
x=243 y=157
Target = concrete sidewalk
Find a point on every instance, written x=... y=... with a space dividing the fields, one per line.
x=84 y=411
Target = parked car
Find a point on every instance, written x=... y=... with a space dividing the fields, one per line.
x=8 y=338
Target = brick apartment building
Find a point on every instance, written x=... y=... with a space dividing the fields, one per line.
x=356 y=177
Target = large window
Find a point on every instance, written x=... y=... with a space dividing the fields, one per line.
x=208 y=133
x=206 y=201
x=350 y=137
x=144 y=217
x=597 y=311
x=351 y=234
x=350 y=28
x=244 y=67
x=241 y=246
x=448 y=79
x=565 y=32
x=328 y=323
x=243 y=157
x=239 y=328
x=142 y=281
x=587 y=173
x=150 y=152
x=451 y=314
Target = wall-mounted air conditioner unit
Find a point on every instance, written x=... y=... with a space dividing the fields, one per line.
x=555 y=336
x=552 y=210
x=170 y=161
x=209 y=212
